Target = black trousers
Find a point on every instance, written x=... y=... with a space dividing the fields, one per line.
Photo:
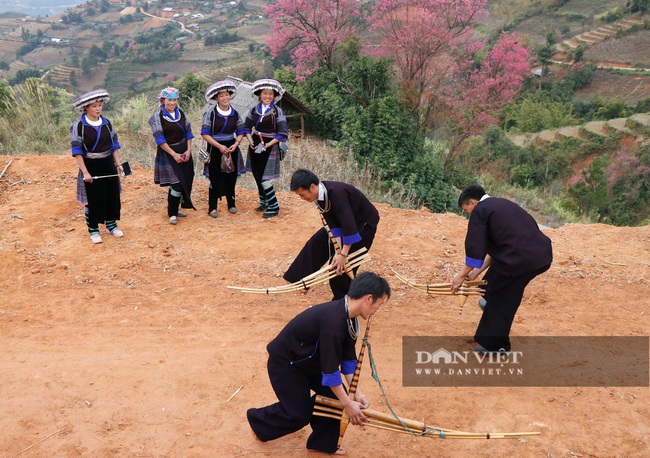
x=295 y=406
x=317 y=251
x=503 y=296
x=258 y=165
x=104 y=193
x=223 y=184
x=184 y=172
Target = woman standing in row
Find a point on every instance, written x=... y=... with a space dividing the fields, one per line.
x=174 y=166
x=97 y=151
x=223 y=130
x=269 y=124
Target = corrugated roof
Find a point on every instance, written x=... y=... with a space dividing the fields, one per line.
x=244 y=101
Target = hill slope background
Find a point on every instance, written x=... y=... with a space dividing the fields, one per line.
x=136 y=348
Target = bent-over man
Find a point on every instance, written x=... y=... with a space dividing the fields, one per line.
x=352 y=219
x=310 y=354
x=504 y=237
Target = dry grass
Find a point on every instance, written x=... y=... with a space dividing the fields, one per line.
x=319 y=156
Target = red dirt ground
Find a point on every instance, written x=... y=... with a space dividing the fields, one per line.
x=135 y=348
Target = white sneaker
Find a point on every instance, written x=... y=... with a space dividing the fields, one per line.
x=96 y=238
x=173 y=220
x=117 y=232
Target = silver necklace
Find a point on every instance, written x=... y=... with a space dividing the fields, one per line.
x=353 y=323
x=326 y=199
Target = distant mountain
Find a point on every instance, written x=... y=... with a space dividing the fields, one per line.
x=38 y=7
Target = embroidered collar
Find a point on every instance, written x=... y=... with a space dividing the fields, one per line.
x=97 y=123
x=265 y=109
x=353 y=323
x=323 y=197
x=224 y=113
x=171 y=117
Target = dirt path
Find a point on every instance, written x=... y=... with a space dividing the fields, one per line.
x=135 y=348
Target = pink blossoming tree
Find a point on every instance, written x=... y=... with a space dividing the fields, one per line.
x=476 y=91
x=311 y=30
x=442 y=79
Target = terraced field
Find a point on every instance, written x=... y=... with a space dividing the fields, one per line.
x=631 y=49
x=606 y=84
x=590 y=7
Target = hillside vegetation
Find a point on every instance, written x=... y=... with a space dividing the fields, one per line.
x=585 y=175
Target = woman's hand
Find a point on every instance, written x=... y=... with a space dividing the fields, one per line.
x=87 y=177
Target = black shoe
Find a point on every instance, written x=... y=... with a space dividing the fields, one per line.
x=261 y=208
x=270 y=214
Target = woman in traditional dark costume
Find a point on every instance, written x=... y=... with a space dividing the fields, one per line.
x=97 y=151
x=174 y=166
x=266 y=128
x=223 y=130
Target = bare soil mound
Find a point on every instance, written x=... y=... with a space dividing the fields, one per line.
x=136 y=348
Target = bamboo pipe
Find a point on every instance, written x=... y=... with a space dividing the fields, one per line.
x=462 y=298
x=420 y=427
x=325 y=275
x=383 y=421
x=437 y=285
x=335 y=242
x=372 y=413
x=355 y=259
x=435 y=432
x=354 y=383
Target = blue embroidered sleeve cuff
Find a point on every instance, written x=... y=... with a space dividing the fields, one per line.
x=189 y=136
x=336 y=231
x=475 y=263
x=160 y=139
x=332 y=379
x=281 y=138
x=77 y=150
x=351 y=239
x=241 y=132
x=116 y=145
x=348 y=367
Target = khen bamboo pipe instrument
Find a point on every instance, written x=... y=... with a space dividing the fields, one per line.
x=335 y=243
x=326 y=273
x=332 y=408
x=354 y=383
x=444 y=289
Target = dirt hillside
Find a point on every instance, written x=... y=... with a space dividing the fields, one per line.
x=135 y=348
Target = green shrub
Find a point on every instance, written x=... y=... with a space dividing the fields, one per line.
x=35 y=118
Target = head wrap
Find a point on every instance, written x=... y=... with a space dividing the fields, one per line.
x=96 y=95
x=267 y=83
x=220 y=86
x=168 y=93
